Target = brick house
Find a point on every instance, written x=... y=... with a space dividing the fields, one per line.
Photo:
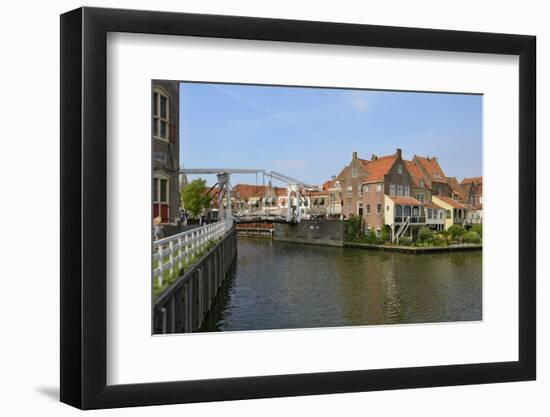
x=473 y=196
x=350 y=181
x=433 y=174
x=165 y=152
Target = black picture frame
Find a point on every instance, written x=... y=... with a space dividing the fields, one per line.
x=84 y=207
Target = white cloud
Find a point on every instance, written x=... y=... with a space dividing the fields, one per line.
x=357 y=100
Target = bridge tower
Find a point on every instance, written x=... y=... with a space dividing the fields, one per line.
x=294 y=189
x=223 y=182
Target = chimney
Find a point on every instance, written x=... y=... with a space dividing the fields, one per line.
x=398 y=153
x=373 y=157
x=333 y=178
x=434 y=158
x=354 y=155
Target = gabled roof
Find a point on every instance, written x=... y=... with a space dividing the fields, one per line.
x=405 y=200
x=431 y=168
x=451 y=202
x=244 y=191
x=416 y=174
x=432 y=206
x=456 y=188
x=328 y=184
x=376 y=169
x=477 y=180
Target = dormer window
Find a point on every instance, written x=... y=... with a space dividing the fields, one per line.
x=421 y=183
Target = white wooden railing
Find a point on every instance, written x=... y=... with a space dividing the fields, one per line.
x=174 y=252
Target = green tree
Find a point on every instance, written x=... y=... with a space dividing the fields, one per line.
x=425 y=235
x=354 y=228
x=478 y=228
x=194 y=197
x=385 y=234
x=456 y=231
x=471 y=237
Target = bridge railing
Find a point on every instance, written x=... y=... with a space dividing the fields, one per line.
x=173 y=253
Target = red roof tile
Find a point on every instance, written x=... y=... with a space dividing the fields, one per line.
x=451 y=202
x=456 y=188
x=416 y=174
x=405 y=200
x=432 y=169
x=376 y=169
x=244 y=191
x=474 y=179
x=432 y=205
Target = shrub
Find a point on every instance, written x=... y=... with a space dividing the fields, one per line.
x=354 y=228
x=425 y=235
x=471 y=237
x=456 y=231
x=405 y=241
x=440 y=240
x=385 y=234
x=478 y=228
x=371 y=238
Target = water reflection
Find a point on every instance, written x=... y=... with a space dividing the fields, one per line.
x=277 y=285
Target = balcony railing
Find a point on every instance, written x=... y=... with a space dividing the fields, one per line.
x=413 y=219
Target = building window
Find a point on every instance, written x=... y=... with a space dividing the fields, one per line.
x=421 y=183
x=378 y=188
x=399 y=190
x=407 y=191
x=368 y=208
x=378 y=208
x=160 y=115
x=440 y=215
x=360 y=209
x=420 y=197
x=399 y=169
x=350 y=192
x=392 y=189
x=429 y=213
x=448 y=214
x=360 y=191
x=387 y=208
x=367 y=188
x=349 y=208
x=160 y=190
x=354 y=172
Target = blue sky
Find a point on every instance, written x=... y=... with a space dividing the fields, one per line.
x=310 y=133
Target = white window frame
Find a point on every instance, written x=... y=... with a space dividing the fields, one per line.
x=157 y=176
x=400 y=169
x=392 y=189
x=378 y=188
x=354 y=172
x=157 y=119
x=399 y=190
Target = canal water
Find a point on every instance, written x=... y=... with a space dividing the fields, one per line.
x=277 y=285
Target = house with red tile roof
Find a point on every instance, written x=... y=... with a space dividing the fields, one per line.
x=434 y=175
x=455 y=212
x=473 y=195
x=456 y=191
x=350 y=181
x=250 y=198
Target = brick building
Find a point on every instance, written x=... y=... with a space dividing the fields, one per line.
x=165 y=152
